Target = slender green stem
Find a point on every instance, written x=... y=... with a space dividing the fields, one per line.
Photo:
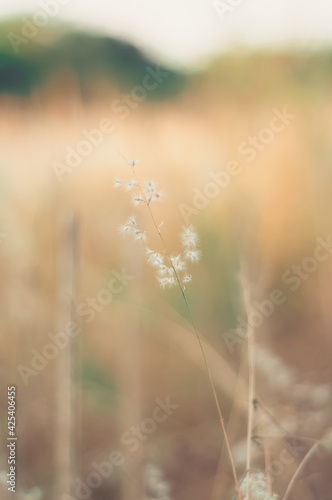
x=237 y=488
x=250 y=404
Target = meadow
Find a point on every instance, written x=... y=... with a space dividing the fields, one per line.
x=120 y=404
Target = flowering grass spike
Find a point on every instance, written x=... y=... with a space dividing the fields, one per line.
x=258 y=489
x=170 y=269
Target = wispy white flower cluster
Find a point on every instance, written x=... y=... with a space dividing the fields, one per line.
x=156 y=488
x=141 y=196
x=258 y=489
x=169 y=268
x=306 y=408
x=132 y=228
x=177 y=264
x=274 y=369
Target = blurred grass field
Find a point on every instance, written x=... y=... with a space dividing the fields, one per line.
x=140 y=347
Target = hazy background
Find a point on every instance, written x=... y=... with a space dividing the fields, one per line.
x=191 y=31
x=223 y=79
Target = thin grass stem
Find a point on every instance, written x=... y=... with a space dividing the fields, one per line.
x=192 y=320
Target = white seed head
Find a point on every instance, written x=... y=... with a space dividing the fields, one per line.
x=193 y=255
x=132 y=221
x=156 y=259
x=138 y=199
x=189 y=237
x=132 y=163
x=140 y=235
x=164 y=270
x=157 y=196
x=178 y=262
x=167 y=281
x=130 y=184
x=150 y=186
x=125 y=229
x=258 y=489
x=151 y=192
x=155 y=487
x=167 y=275
x=131 y=227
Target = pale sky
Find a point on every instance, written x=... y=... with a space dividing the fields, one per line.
x=183 y=32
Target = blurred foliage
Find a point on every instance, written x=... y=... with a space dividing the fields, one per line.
x=17 y=74
x=100 y=383
x=255 y=76
x=222 y=259
x=59 y=49
x=92 y=58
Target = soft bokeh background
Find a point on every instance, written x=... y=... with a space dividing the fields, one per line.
x=60 y=242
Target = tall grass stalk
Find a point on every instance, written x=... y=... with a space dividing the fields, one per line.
x=192 y=320
x=298 y=471
x=251 y=396
x=251 y=380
